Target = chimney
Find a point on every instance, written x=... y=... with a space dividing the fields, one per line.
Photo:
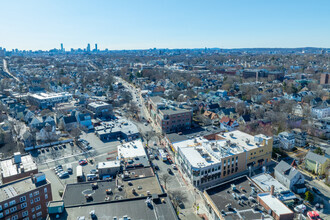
x=294 y=164
x=272 y=188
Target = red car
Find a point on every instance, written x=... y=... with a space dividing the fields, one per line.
x=169 y=160
x=313 y=215
x=83 y=162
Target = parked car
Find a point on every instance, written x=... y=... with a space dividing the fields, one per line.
x=156 y=167
x=93 y=171
x=63 y=175
x=70 y=170
x=313 y=215
x=174 y=167
x=82 y=162
x=169 y=171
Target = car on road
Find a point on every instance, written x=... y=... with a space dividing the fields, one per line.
x=156 y=167
x=71 y=143
x=174 y=167
x=82 y=162
x=56 y=148
x=180 y=204
x=169 y=171
x=146 y=124
x=316 y=190
x=70 y=171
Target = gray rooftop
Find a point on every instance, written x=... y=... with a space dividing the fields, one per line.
x=222 y=195
x=193 y=133
x=136 y=209
x=315 y=157
x=19 y=187
x=118 y=125
x=289 y=171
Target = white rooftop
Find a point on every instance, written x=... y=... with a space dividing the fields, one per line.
x=275 y=204
x=265 y=181
x=189 y=142
x=109 y=164
x=50 y=95
x=9 y=168
x=98 y=104
x=244 y=140
x=201 y=152
x=131 y=150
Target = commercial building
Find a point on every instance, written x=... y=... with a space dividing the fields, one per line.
x=258 y=148
x=133 y=153
x=208 y=162
x=275 y=207
x=149 y=208
x=169 y=116
x=109 y=168
x=48 y=100
x=100 y=109
x=117 y=129
x=234 y=199
x=25 y=198
x=17 y=167
x=266 y=181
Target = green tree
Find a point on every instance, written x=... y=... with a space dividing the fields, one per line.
x=318 y=151
x=309 y=197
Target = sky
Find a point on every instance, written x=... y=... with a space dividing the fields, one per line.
x=144 y=24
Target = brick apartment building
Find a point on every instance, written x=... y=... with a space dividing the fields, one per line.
x=24 y=192
x=169 y=116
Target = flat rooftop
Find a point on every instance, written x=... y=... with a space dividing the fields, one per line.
x=243 y=139
x=141 y=186
x=98 y=104
x=74 y=194
x=131 y=150
x=175 y=110
x=243 y=208
x=109 y=164
x=50 y=95
x=275 y=204
x=193 y=133
x=205 y=152
x=133 y=208
x=9 y=168
x=265 y=181
x=119 y=125
x=19 y=187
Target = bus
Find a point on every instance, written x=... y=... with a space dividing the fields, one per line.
x=162 y=154
x=80 y=174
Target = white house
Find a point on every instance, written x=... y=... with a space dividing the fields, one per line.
x=287 y=140
x=321 y=112
x=290 y=177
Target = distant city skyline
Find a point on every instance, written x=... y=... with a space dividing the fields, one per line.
x=116 y=25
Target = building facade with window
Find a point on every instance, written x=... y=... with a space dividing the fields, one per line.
x=26 y=198
x=207 y=162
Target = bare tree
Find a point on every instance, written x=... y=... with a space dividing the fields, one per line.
x=177 y=196
x=165 y=178
x=148 y=135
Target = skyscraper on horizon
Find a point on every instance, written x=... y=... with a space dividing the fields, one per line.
x=88 y=48
x=95 y=47
x=62 y=48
